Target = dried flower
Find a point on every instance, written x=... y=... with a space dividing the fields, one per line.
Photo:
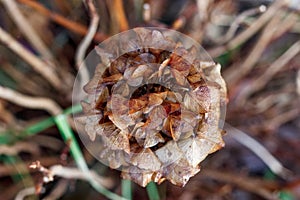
x=155 y=106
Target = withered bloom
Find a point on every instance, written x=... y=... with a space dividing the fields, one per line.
x=155 y=105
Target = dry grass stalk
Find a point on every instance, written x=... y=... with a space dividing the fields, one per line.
x=30 y=102
x=41 y=67
x=68 y=24
x=27 y=29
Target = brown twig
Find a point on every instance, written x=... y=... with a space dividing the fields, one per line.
x=259 y=150
x=120 y=15
x=71 y=25
x=30 y=102
x=298 y=82
x=234 y=73
x=276 y=122
x=249 y=184
x=41 y=67
x=237 y=21
x=256 y=25
x=6 y=116
x=58 y=191
x=249 y=32
x=70 y=173
x=30 y=86
x=22 y=194
x=7 y=170
x=146 y=12
x=288 y=24
x=19 y=147
x=262 y=80
x=84 y=44
x=48 y=142
x=26 y=28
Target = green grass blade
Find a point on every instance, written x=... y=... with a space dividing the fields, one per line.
x=9 y=137
x=23 y=174
x=152 y=191
x=68 y=135
x=38 y=127
x=127 y=189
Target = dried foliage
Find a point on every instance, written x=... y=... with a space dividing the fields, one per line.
x=255 y=42
x=156 y=111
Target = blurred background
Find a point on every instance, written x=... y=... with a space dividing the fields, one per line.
x=42 y=43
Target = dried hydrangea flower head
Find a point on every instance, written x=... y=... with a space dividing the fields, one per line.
x=155 y=106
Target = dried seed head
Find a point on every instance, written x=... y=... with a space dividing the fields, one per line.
x=155 y=106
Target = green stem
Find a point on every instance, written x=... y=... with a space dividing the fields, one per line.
x=9 y=137
x=127 y=189
x=68 y=136
x=152 y=191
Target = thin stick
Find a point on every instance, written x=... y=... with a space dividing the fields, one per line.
x=41 y=67
x=276 y=66
x=256 y=25
x=70 y=173
x=249 y=32
x=84 y=44
x=288 y=24
x=7 y=170
x=26 y=28
x=68 y=135
x=59 y=189
x=120 y=15
x=19 y=147
x=276 y=122
x=238 y=20
x=73 y=26
x=249 y=184
x=234 y=74
x=298 y=82
x=30 y=102
x=25 y=192
x=29 y=86
x=259 y=150
x=75 y=173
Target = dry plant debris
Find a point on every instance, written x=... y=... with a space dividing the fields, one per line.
x=156 y=111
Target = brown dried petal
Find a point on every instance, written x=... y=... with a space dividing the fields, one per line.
x=191 y=104
x=112 y=79
x=137 y=175
x=106 y=58
x=146 y=159
x=169 y=153
x=195 y=149
x=139 y=71
x=180 y=172
x=152 y=139
x=180 y=79
x=156 y=118
x=136 y=105
x=178 y=62
x=156 y=99
x=101 y=97
x=115 y=158
x=202 y=95
x=145 y=58
x=194 y=78
x=181 y=128
x=117 y=140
